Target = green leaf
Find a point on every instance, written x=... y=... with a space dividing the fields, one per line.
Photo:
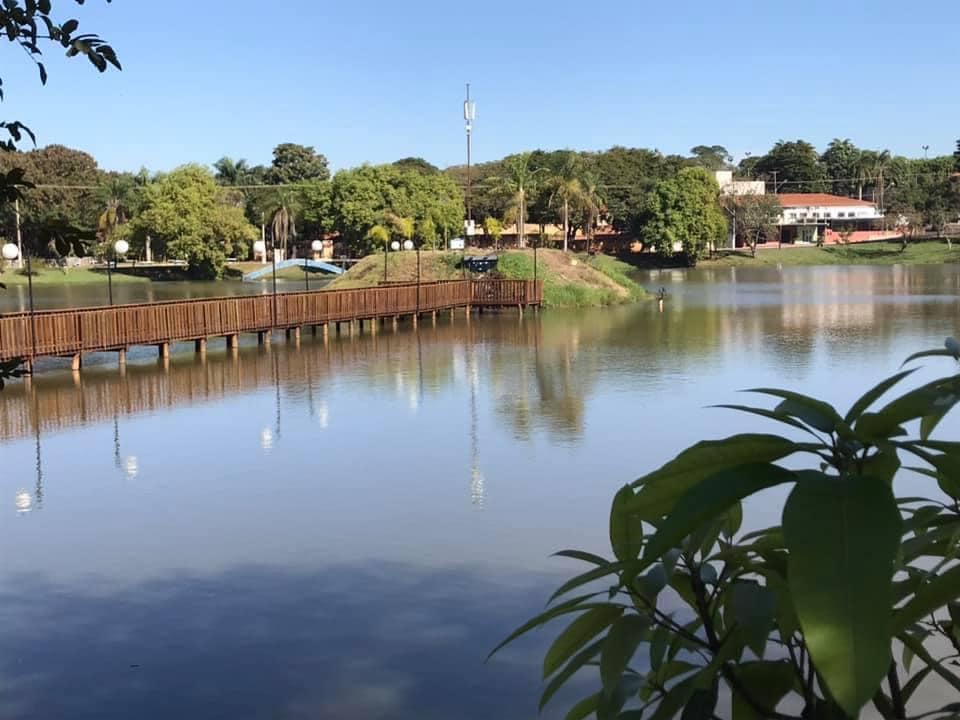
x=581 y=555
x=589 y=576
x=621 y=644
x=934 y=398
x=815 y=413
x=577 y=634
x=660 y=490
x=626 y=527
x=578 y=661
x=675 y=698
x=711 y=498
x=874 y=394
x=650 y=584
x=626 y=687
x=766 y=682
x=583 y=708
x=733 y=521
x=701 y=704
x=930 y=597
x=569 y=606
x=765 y=413
x=753 y=608
x=843 y=536
x=658 y=646
x=930 y=353
x=913 y=683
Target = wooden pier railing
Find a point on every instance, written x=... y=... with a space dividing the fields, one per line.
x=73 y=332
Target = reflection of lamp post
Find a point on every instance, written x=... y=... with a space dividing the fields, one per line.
x=12 y=252
x=120 y=248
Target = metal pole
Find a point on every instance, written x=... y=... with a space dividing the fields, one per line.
x=535 y=243
x=110 y=280
x=16 y=209
x=33 y=317
x=385 y=262
x=306 y=275
x=469 y=150
x=418 y=279
x=273 y=257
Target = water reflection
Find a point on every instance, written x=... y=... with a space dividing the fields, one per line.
x=304 y=536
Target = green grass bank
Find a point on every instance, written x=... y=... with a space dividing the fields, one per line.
x=569 y=280
x=927 y=252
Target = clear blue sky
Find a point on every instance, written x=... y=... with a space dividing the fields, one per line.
x=373 y=81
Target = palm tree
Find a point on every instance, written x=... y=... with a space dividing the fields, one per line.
x=881 y=164
x=232 y=172
x=865 y=166
x=567 y=187
x=518 y=182
x=118 y=195
x=593 y=199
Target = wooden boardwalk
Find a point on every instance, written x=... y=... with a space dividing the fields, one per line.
x=75 y=332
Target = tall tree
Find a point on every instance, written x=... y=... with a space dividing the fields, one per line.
x=191 y=219
x=754 y=217
x=119 y=196
x=566 y=188
x=956 y=158
x=711 y=157
x=417 y=164
x=795 y=166
x=517 y=184
x=840 y=161
x=294 y=163
x=232 y=172
x=683 y=212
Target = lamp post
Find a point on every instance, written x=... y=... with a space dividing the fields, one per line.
x=120 y=248
x=316 y=246
x=11 y=252
x=418 y=279
x=535 y=244
x=393 y=246
x=260 y=248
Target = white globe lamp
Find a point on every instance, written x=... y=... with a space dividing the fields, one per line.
x=408 y=244
x=316 y=246
x=394 y=245
x=260 y=248
x=10 y=252
x=121 y=247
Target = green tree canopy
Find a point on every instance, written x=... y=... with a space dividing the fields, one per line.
x=189 y=218
x=684 y=211
x=796 y=166
x=711 y=157
x=294 y=163
x=417 y=164
x=374 y=194
x=841 y=161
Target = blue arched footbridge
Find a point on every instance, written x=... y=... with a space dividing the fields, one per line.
x=313 y=266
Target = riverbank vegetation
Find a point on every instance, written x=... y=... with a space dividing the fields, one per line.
x=570 y=280
x=851 y=600
x=669 y=204
x=875 y=253
x=46 y=276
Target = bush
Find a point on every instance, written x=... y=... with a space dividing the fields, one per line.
x=850 y=600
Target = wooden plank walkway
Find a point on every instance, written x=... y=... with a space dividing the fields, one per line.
x=75 y=332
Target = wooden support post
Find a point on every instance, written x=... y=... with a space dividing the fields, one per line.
x=295 y=334
x=313 y=330
x=433 y=318
x=233 y=342
x=75 y=363
x=163 y=351
x=416 y=319
x=336 y=326
x=520 y=308
x=122 y=357
x=264 y=337
x=395 y=319
x=374 y=324
x=326 y=331
x=200 y=346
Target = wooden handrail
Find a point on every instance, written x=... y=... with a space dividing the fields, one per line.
x=92 y=329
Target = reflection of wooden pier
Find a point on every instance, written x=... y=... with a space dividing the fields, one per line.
x=75 y=332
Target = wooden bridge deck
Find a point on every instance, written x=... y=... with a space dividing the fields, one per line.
x=74 y=332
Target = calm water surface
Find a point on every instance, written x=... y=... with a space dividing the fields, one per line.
x=344 y=531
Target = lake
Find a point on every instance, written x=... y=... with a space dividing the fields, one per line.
x=345 y=530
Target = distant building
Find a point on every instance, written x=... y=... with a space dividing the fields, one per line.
x=812 y=218
x=819 y=217
x=729 y=186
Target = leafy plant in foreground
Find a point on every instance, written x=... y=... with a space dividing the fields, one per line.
x=852 y=599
